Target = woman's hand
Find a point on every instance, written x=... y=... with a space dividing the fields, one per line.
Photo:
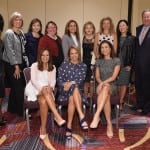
x=67 y=85
x=17 y=72
x=99 y=87
x=127 y=68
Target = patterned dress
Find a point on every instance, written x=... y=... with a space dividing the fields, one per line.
x=71 y=72
x=106 y=70
x=103 y=37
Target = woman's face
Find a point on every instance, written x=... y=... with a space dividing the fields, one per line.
x=36 y=27
x=45 y=56
x=105 y=49
x=123 y=28
x=17 y=22
x=74 y=56
x=89 y=29
x=106 y=24
x=51 y=29
x=72 y=28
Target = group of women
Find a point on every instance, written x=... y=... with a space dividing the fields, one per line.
x=56 y=64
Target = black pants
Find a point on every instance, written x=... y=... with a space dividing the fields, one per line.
x=2 y=85
x=16 y=97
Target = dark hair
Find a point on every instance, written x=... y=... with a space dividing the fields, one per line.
x=33 y=21
x=40 y=63
x=1 y=23
x=50 y=22
x=67 y=30
x=77 y=50
x=112 y=54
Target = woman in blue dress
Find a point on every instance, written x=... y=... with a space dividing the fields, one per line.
x=71 y=76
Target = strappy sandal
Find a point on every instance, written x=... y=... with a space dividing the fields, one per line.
x=83 y=127
x=69 y=135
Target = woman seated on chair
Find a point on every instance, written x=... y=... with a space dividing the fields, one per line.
x=107 y=69
x=71 y=75
x=41 y=86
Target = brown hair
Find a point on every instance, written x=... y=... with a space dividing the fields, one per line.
x=67 y=30
x=112 y=30
x=77 y=50
x=13 y=17
x=40 y=63
x=50 y=22
x=33 y=21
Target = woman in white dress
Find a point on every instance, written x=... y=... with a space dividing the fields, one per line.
x=41 y=86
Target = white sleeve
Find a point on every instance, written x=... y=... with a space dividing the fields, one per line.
x=52 y=78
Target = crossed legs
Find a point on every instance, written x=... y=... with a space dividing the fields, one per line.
x=103 y=103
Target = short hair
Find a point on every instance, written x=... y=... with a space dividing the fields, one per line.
x=144 y=11
x=89 y=23
x=33 y=21
x=13 y=17
x=77 y=50
x=112 y=54
x=40 y=63
x=1 y=23
x=112 y=30
x=50 y=22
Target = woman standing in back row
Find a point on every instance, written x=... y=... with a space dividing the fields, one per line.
x=107 y=32
x=126 y=53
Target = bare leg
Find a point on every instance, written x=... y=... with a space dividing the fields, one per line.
x=107 y=111
x=71 y=111
x=86 y=89
x=123 y=90
x=50 y=101
x=91 y=89
x=101 y=101
x=43 y=113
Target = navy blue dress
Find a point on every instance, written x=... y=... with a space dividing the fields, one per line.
x=32 y=47
x=71 y=72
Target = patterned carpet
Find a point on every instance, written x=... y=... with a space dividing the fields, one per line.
x=132 y=128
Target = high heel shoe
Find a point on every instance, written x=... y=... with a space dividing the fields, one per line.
x=45 y=139
x=61 y=123
x=94 y=125
x=109 y=135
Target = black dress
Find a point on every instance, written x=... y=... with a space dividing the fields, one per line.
x=87 y=46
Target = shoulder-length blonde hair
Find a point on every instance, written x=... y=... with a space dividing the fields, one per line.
x=67 y=29
x=13 y=17
x=91 y=24
x=77 y=50
x=40 y=63
x=111 y=30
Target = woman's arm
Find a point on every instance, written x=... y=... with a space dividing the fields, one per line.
x=52 y=78
x=115 y=45
x=96 y=46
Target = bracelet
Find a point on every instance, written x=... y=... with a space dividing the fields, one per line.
x=73 y=82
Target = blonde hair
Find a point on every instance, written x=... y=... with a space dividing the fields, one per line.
x=13 y=17
x=89 y=23
x=77 y=50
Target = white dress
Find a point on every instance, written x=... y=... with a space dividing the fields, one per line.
x=38 y=80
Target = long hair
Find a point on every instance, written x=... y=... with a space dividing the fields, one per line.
x=33 y=21
x=111 y=30
x=112 y=54
x=67 y=29
x=13 y=17
x=77 y=50
x=40 y=63
x=50 y=22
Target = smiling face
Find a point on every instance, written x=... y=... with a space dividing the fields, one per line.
x=106 y=24
x=52 y=29
x=105 y=50
x=72 y=27
x=146 y=18
x=123 y=28
x=89 y=29
x=36 y=27
x=45 y=56
x=17 y=22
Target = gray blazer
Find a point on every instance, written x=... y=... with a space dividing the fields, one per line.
x=12 y=48
x=67 y=42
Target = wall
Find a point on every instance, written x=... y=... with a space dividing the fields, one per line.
x=61 y=11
